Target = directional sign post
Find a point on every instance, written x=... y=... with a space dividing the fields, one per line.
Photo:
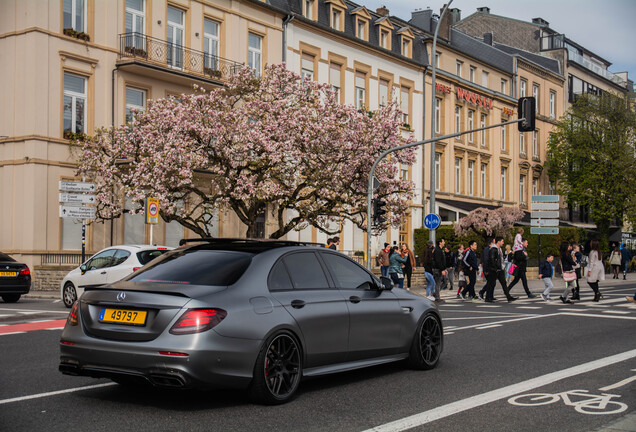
x=432 y=221
x=78 y=195
x=545 y=216
x=72 y=198
x=71 y=186
x=77 y=212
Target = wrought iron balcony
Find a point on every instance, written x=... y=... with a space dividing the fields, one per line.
x=178 y=57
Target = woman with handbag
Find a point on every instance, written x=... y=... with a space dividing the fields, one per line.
x=569 y=275
x=395 y=267
x=615 y=261
x=595 y=268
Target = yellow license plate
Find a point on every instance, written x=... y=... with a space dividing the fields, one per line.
x=8 y=274
x=123 y=316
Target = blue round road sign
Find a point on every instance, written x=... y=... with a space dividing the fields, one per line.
x=432 y=221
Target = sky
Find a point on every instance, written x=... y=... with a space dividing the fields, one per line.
x=605 y=27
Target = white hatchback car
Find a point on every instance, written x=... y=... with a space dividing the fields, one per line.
x=106 y=266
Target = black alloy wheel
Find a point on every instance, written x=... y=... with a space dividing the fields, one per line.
x=278 y=370
x=427 y=343
x=69 y=295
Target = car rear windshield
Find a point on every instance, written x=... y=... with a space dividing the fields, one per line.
x=6 y=258
x=196 y=267
x=146 y=256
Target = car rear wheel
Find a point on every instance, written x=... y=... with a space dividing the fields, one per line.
x=427 y=343
x=278 y=370
x=69 y=295
x=11 y=298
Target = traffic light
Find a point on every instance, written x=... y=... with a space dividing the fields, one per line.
x=526 y=108
x=379 y=211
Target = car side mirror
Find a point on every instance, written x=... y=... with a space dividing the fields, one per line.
x=83 y=268
x=387 y=284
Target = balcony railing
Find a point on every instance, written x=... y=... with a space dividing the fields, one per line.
x=178 y=57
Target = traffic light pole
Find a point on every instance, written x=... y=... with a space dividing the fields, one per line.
x=404 y=147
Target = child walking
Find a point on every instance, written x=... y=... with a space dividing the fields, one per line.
x=462 y=281
x=546 y=271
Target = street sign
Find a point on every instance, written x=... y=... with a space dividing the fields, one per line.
x=544 y=214
x=77 y=198
x=70 y=186
x=544 y=206
x=545 y=198
x=376 y=183
x=544 y=222
x=432 y=221
x=77 y=212
x=544 y=230
x=152 y=210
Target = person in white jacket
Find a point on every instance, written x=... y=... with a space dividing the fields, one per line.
x=595 y=268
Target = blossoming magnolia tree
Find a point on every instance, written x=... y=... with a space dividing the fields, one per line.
x=487 y=223
x=275 y=143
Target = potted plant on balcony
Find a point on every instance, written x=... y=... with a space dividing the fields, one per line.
x=214 y=73
x=75 y=136
x=77 y=35
x=136 y=52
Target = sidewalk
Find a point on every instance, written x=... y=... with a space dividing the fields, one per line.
x=627 y=423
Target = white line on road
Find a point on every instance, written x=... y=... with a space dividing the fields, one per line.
x=529 y=307
x=54 y=393
x=620 y=383
x=488 y=327
x=611 y=311
x=598 y=315
x=498 y=394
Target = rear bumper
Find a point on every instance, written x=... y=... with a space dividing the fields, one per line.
x=18 y=288
x=209 y=360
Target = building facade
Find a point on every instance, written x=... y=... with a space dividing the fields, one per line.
x=91 y=62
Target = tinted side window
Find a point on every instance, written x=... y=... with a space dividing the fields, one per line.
x=347 y=274
x=197 y=267
x=120 y=256
x=6 y=258
x=279 y=278
x=305 y=271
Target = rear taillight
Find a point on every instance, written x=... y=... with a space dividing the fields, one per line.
x=25 y=271
x=197 y=321
x=136 y=268
x=72 y=315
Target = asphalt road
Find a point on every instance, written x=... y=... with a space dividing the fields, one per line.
x=494 y=354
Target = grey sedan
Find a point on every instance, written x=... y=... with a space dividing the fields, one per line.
x=247 y=314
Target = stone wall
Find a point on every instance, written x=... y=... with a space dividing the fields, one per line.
x=49 y=277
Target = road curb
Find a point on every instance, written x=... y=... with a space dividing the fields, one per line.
x=627 y=423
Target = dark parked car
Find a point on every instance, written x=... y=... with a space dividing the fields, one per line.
x=15 y=279
x=247 y=314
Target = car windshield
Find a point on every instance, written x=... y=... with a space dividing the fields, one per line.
x=146 y=256
x=6 y=258
x=196 y=267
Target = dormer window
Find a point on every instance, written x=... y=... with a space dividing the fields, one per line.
x=336 y=14
x=406 y=42
x=309 y=9
x=385 y=30
x=362 y=19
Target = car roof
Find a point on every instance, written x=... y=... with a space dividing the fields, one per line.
x=137 y=248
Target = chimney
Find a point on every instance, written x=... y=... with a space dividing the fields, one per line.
x=421 y=18
x=540 y=21
x=488 y=38
x=382 y=11
x=456 y=15
x=484 y=9
x=445 y=24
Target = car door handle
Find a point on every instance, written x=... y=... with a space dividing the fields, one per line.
x=354 y=299
x=104 y=272
x=297 y=304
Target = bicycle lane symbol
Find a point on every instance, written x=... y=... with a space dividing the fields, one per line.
x=582 y=400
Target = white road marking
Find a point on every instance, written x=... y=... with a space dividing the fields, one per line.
x=620 y=383
x=488 y=327
x=488 y=306
x=5 y=334
x=529 y=307
x=54 y=393
x=498 y=394
x=599 y=316
x=611 y=311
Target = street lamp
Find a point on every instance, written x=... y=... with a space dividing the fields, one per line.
x=434 y=70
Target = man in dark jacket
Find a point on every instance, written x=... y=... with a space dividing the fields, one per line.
x=470 y=269
x=521 y=261
x=484 y=265
x=496 y=271
x=439 y=267
x=626 y=257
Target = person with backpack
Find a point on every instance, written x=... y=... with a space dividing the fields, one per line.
x=495 y=268
x=520 y=260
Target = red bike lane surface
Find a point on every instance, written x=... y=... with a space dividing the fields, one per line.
x=26 y=327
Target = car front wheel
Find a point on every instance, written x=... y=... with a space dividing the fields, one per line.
x=277 y=371
x=427 y=343
x=69 y=295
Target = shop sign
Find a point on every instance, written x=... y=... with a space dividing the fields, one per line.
x=473 y=97
x=508 y=111
x=442 y=88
